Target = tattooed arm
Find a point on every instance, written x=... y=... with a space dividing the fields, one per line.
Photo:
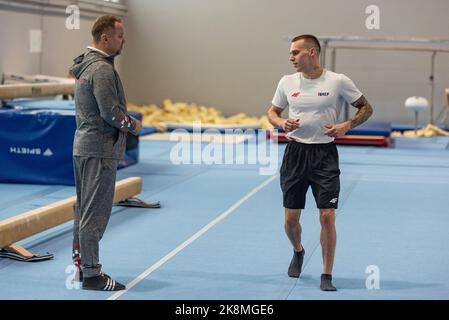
x=365 y=111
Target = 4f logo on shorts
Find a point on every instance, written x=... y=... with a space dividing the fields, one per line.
x=334 y=200
x=323 y=94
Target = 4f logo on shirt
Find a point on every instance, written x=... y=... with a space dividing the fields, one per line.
x=323 y=94
x=295 y=94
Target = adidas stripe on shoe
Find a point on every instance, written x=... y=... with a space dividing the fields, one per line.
x=103 y=282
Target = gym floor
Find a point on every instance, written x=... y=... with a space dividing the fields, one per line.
x=220 y=234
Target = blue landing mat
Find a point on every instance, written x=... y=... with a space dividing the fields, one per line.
x=372 y=128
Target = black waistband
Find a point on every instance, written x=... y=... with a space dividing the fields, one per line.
x=312 y=145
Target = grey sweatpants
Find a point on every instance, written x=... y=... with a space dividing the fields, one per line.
x=95 y=186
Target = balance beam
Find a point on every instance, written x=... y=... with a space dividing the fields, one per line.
x=32 y=222
x=37 y=78
x=12 y=91
x=363 y=140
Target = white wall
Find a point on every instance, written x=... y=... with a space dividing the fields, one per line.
x=59 y=45
x=14 y=48
x=231 y=54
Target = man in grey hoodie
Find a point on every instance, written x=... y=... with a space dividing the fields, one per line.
x=100 y=140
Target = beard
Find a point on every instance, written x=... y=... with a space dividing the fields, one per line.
x=119 y=50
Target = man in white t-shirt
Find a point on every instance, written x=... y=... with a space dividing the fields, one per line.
x=314 y=96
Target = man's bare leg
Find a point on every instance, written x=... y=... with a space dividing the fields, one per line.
x=293 y=231
x=328 y=239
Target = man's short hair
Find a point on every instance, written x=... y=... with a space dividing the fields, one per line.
x=311 y=38
x=102 y=25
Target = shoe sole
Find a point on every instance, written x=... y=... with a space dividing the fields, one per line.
x=101 y=289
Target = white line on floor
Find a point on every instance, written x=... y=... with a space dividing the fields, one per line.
x=203 y=230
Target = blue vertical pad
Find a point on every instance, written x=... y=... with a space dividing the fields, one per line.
x=36 y=144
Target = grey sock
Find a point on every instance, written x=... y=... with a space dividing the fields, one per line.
x=295 y=268
x=326 y=283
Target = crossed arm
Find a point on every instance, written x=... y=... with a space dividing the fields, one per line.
x=112 y=109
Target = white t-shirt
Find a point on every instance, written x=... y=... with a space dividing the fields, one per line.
x=315 y=102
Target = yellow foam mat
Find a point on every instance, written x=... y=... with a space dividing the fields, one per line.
x=429 y=131
x=180 y=114
x=203 y=137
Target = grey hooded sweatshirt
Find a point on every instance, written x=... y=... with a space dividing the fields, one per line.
x=102 y=121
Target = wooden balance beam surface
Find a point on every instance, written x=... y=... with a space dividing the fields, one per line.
x=32 y=222
x=12 y=91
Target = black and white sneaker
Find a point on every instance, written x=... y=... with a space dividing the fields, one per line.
x=103 y=282
x=79 y=274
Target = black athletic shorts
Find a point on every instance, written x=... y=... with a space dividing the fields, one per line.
x=314 y=165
